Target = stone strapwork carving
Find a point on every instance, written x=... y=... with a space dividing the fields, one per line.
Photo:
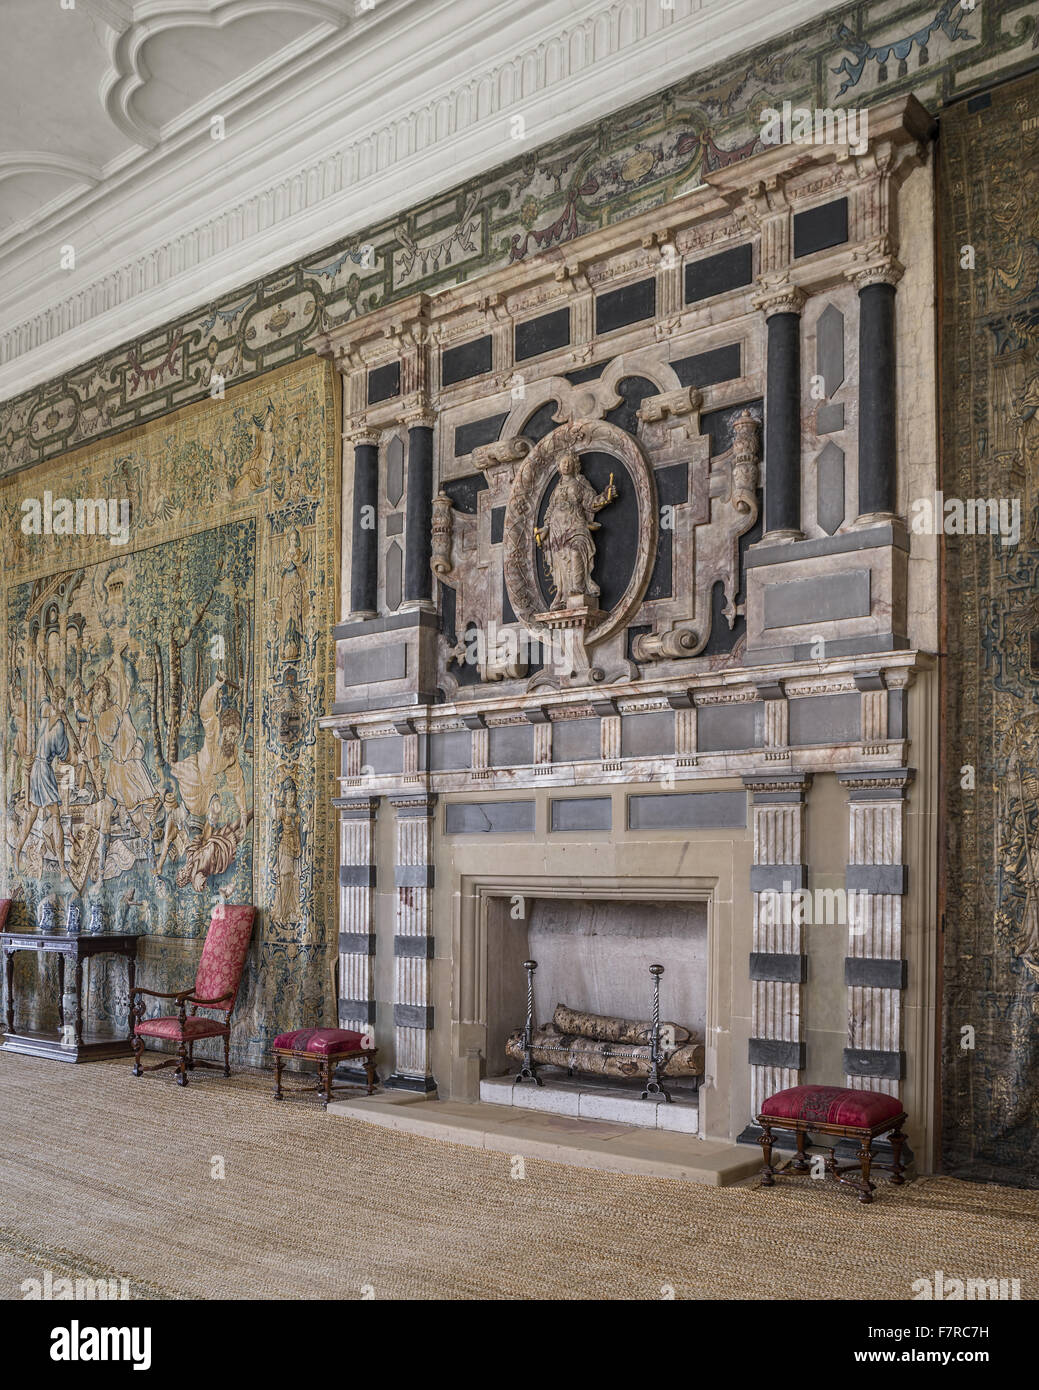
x=564 y=537
x=875 y=970
x=732 y=483
x=776 y=1052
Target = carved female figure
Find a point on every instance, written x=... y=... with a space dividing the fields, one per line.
x=566 y=536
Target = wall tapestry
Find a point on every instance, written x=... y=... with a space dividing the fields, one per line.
x=633 y=160
x=166 y=604
x=989 y=192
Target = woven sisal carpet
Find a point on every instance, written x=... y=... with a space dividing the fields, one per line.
x=105 y=1176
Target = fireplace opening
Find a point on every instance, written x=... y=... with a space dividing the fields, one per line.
x=593 y=1006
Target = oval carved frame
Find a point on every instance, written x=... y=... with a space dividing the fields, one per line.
x=528 y=487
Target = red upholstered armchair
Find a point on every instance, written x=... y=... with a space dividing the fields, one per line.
x=216 y=988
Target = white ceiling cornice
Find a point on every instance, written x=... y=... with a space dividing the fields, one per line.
x=360 y=117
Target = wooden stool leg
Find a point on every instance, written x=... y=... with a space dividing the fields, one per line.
x=765 y=1140
x=328 y=1081
x=277 y=1077
x=801 y=1163
x=369 y=1071
x=866 y=1158
x=182 y=1064
x=897 y=1167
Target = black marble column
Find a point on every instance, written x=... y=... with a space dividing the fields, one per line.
x=418 y=540
x=783 y=424
x=364 y=558
x=876 y=399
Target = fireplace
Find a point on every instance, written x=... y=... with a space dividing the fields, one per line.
x=593 y=957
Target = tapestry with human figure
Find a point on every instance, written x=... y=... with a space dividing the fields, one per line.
x=166 y=606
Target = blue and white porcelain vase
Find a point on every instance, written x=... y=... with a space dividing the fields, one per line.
x=73 y=917
x=97 y=919
x=45 y=914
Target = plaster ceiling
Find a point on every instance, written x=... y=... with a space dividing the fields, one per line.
x=106 y=131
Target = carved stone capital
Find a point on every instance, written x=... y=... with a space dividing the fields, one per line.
x=360 y=435
x=779 y=296
x=875 y=264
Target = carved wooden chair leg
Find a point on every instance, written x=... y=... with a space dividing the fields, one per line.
x=191 y=1056
x=767 y=1172
x=897 y=1166
x=369 y=1071
x=866 y=1158
x=278 y=1094
x=138 y=1048
x=182 y=1065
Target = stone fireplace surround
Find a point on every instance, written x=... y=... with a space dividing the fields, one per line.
x=758 y=711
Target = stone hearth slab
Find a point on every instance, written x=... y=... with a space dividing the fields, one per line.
x=592 y=1100
x=562 y=1139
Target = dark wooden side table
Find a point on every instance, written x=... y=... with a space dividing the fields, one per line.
x=70 y=1044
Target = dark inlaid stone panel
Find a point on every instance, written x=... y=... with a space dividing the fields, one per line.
x=383 y=383
x=829 y=348
x=877 y=878
x=471 y=436
x=450 y=751
x=709 y=368
x=582 y=813
x=818 y=228
x=829 y=488
x=497 y=525
x=727 y=270
x=768 y=965
x=575 y=740
x=648 y=735
x=464 y=491
x=629 y=304
x=688 y=811
x=395 y=524
x=875 y=972
x=891 y=1066
x=542 y=334
x=772 y=1052
x=510 y=745
x=383 y=754
x=489 y=817
x=394 y=470
x=825 y=719
x=720 y=728
x=465 y=361
x=825 y=599
x=375 y=664
x=542 y=421
x=356 y=876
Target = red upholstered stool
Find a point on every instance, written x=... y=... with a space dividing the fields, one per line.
x=861 y=1115
x=328 y=1047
